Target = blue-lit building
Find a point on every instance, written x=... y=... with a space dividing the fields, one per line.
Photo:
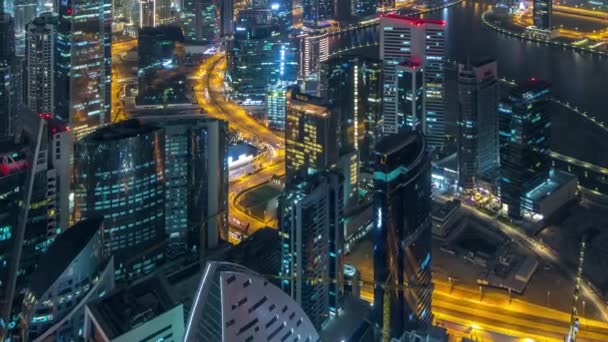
x=196 y=180
x=403 y=232
x=363 y=8
x=259 y=57
x=276 y=104
x=542 y=10
x=478 y=94
x=75 y=270
x=84 y=31
x=311 y=225
x=201 y=21
x=524 y=136
x=120 y=174
x=8 y=76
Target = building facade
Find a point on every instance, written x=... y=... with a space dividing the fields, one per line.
x=418 y=41
x=120 y=174
x=201 y=21
x=311 y=225
x=314 y=49
x=542 y=11
x=478 y=94
x=410 y=93
x=276 y=104
x=403 y=233
x=41 y=35
x=83 y=70
x=525 y=132
x=8 y=77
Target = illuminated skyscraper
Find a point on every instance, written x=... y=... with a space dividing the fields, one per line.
x=525 y=131
x=315 y=12
x=542 y=12
x=24 y=11
x=403 y=232
x=363 y=8
x=478 y=93
x=419 y=41
x=410 y=93
x=276 y=103
x=147 y=13
x=201 y=21
x=120 y=174
x=84 y=61
x=41 y=37
x=314 y=49
x=311 y=223
x=311 y=142
x=8 y=75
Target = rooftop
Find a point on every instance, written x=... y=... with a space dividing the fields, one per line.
x=549 y=186
x=531 y=85
x=122 y=130
x=62 y=252
x=413 y=20
x=127 y=308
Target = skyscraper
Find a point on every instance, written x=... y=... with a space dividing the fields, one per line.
x=84 y=60
x=41 y=37
x=196 y=180
x=314 y=49
x=120 y=174
x=478 y=93
x=410 y=93
x=311 y=223
x=8 y=103
x=276 y=104
x=201 y=21
x=403 y=233
x=541 y=13
x=147 y=13
x=419 y=41
x=525 y=131
x=315 y=12
x=24 y=11
x=363 y=8
x=311 y=143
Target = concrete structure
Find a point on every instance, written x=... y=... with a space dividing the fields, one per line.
x=74 y=271
x=409 y=84
x=311 y=225
x=544 y=200
x=41 y=37
x=144 y=311
x=419 y=41
x=234 y=303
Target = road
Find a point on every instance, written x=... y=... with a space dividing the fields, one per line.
x=209 y=90
x=120 y=76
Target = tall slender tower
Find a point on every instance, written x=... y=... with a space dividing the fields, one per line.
x=41 y=37
x=403 y=233
x=84 y=61
x=8 y=98
x=419 y=41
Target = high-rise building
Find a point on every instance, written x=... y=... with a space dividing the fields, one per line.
x=311 y=143
x=41 y=37
x=201 y=21
x=120 y=174
x=147 y=13
x=315 y=12
x=227 y=18
x=478 y=94
x=24 y=11
x=525 y=131
x=260 y=56
x=409 y=85
x=311 y=223
x=196 y=180
x=363 y=8
x=276 y=104
x=235 y=303
x=541 y=13
x=314 y=49
x=74 y=271
x=419 y=41
x=159 y=50
x=165 y=13
x=83 y=85
x=8 y=75
x=403 y=233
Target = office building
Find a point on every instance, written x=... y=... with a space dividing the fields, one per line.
x=542 y=10
x=201 y=21
x=227 y=18
x=478 y=94
x=315 y=12
x=363 y=8
x=165 y=13
x=41 y=35
x=24 y=11
x=525 y=132
x=147 y=13
x=120 y=174
x=409 y=85
x=314 y=49
x=196 y=180
x=8 y=77
x=83 y=99
x=75 y=270
x=419 y=41
x=311 y=225
x=143 y=311
x=259 y=57
x=234 y=303
x=403 y=233
x=311 y=143
x=276 y=104
x=159 y=52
